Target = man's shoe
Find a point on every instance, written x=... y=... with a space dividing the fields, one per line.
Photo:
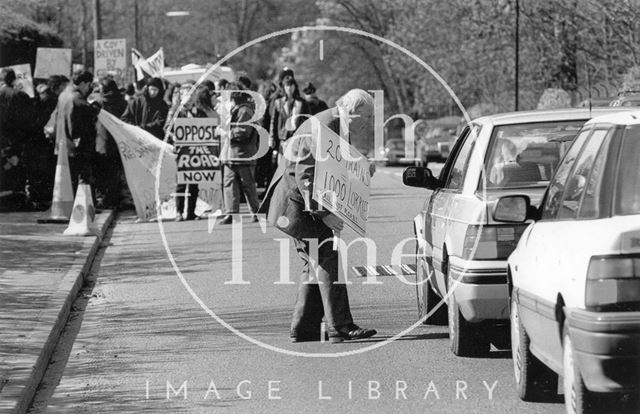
x=350 y=333
x=254 y=219
x=179 y=218
x=228 y=219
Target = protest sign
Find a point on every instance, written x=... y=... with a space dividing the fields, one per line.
x=153 y=65
x=341 y=181
x=50 y=61
x=141 y=153
x=24 y=82
x=110 y=58
x=198 y=149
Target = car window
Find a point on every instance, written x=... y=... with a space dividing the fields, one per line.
x=582 y=172
x=590 y=205
x=458 y=170
x=627 y=199
x=444 y=173
x=526 y=154
x=556 y=187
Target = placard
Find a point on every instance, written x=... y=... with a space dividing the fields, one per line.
x=110 y=58
x=24 y=82
x=198 y=149
x=50 y=61
x=342 y=181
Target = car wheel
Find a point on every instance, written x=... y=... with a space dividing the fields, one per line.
x=466 y=339
x=427 y=297
x=533 y=378
x=577 y=398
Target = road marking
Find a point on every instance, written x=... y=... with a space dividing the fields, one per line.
x=384 y=270
x=321 y=49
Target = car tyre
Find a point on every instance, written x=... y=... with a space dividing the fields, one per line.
x=533 y=378
x=427 y=297
x=466 y=339
x=577 y=398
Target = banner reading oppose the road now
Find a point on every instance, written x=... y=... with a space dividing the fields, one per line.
x=342 y=180
x=198 y=149
x=140 y=153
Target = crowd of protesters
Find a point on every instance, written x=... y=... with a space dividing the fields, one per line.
x=65 y=111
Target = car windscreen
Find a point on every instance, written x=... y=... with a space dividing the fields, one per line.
x=525 y=155
x=628 y=179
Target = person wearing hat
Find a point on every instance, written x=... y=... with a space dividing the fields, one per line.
x=149 y=110
x=314 y=104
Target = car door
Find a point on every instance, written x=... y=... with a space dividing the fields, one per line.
x=443 y=200
x=555 y=243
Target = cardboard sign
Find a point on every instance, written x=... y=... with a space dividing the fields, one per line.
x=51 y=61
x=198 y=149
x=24 y=82
x=341 y=183
x=110 y=58
x=141 y=153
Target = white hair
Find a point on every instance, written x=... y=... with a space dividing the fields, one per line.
x=353 y=99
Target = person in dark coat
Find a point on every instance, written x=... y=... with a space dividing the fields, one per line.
x=149 y=110
x=300 y=217
x=75 y=126
x=287 y=111
x=314 y=104
x=241 y=143
x=16 y=128
x=109 y=173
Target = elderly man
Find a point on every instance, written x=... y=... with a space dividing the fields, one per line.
x=285 y=206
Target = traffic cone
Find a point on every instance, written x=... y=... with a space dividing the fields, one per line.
x=83 y=216
x=62 y=202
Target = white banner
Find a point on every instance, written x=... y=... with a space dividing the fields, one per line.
x=24 y=82
x=342 y=181
x=140 y=153
x=110 y=58
x=153 y=65
x=52 y=61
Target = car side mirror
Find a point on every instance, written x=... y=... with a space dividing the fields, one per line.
x=420 y=177
x=513 y=209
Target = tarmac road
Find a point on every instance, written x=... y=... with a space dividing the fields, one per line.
x=139 y=341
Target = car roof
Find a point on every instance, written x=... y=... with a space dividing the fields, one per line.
x=620 y=118
x=545 y=115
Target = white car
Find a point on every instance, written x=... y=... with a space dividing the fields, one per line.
x=575 y=274
x=462 y=252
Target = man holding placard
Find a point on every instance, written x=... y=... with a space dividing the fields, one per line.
x=290 y=204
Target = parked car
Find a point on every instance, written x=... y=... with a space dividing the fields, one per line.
x=575 y=274
x=626 y=99
x=462 y=252
x=394 y=152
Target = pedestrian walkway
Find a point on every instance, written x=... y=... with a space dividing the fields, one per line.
x=41 y=272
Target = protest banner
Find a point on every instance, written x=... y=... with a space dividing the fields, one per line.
x=198 y=149
x=110 y=58
x=153 y=65
x=141 y=153
x=341 y=182
x=24 y=82
x=52 y=61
